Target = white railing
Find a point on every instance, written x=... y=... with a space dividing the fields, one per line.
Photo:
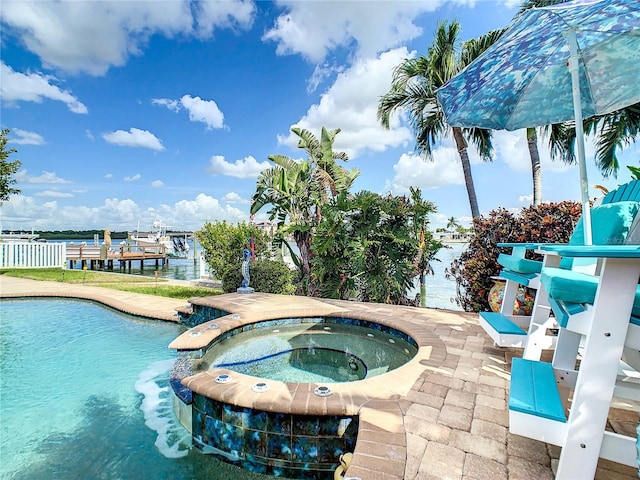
x=32 y=255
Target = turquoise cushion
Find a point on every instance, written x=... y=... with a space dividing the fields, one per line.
x=575 y=287
x=610 y=224
x=519 y=264
x=569 y=286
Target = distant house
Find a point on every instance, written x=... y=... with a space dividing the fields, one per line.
x=452 y=237
x=268 y=228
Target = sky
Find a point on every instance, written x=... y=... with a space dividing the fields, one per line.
x=129 y=112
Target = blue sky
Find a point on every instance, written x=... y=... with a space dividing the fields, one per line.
x=133 y=111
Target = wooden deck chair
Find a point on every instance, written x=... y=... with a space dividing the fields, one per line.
x=612 y=219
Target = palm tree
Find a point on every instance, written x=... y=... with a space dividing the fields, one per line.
x=613 y=130
x=452 y=223
x=413 y=89
x=296 y=190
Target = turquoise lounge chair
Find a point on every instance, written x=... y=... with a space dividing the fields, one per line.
x=612 y=219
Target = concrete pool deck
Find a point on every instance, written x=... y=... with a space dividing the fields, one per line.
x=452 y=423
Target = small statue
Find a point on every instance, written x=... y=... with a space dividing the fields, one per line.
x=246 y=259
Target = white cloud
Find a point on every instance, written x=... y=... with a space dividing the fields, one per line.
x=108 y=175
x=233 y=197
x=133 y=178
x=134 y=138
x=118 y=214
x=93 y=36
x=54 y=194
x=351 y=104
x=313 y=29
x=512 y=149
x=246 y=168
x=26 y=138
x=527 y=199
x=35 y=87
x=320 y=73
x=157 y=184
x=205 y=111
x=414 y=171
x=45 y=177
x=230 y=13
x=172 y=105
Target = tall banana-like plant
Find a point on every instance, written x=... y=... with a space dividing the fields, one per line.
x=297 y=190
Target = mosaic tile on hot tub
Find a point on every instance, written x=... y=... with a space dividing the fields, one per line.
x=197 y=422
x=304 y=449
x=333 y=425
x=232 y=437
x=279 y=446
x=256 y=442
x=256 y=420
x=234 y=415
x=306 y=425
x=213 y=432
x=330 y=449
x=279 y=423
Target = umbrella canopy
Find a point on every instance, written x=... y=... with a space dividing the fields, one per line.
x=554 y=64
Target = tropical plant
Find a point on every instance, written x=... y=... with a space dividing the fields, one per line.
x=413 y=89
x=7 y=169
x=222 y=245
x=478 y=263
x=371 y=247
x=297 y=191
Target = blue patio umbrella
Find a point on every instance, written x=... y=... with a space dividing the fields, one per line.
x=554 y=64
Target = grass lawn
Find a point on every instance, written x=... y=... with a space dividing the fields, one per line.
x=117 y=281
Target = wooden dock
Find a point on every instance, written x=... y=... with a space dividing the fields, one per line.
x=101 y=257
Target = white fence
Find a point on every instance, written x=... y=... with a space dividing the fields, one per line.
x=32 y=255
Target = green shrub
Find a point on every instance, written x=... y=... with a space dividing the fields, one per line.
x=267 y=276
x=548 y=223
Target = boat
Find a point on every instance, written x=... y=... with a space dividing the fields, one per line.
x=158 y=236
x=19 y=237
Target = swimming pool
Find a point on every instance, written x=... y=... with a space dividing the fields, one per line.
x=84 y=393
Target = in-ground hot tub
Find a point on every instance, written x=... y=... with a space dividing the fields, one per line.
x=308 y=350
x=284 y=396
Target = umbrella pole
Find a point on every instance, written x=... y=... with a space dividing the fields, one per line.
x=577 y=110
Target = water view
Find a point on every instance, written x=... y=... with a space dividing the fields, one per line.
x=441 y=292
x=84 y=394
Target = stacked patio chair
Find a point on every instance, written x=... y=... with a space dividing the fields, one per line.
x=613 y=217
x=599 y=326
x=590 y=296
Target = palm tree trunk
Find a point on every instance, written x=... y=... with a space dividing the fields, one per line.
x=303 y=241
x=461 y=144
x=536 y=171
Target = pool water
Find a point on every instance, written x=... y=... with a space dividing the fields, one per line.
x=311 y=352
x=84 y=394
